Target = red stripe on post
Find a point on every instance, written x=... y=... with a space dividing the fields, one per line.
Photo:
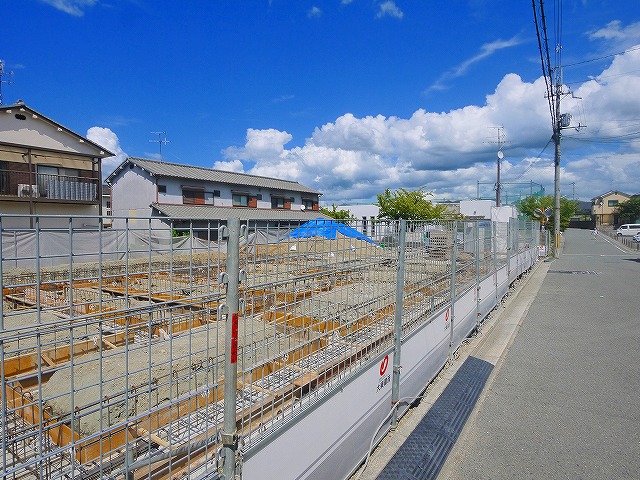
x=234 y=338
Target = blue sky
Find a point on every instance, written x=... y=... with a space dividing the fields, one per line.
x=347 y=96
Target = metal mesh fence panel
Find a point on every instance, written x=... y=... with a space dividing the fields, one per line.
x=112 y=341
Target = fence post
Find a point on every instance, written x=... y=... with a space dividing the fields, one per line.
x=229 y=432
x=3 y=381
x=395 y=385
x=453 y=285
x=476 y=230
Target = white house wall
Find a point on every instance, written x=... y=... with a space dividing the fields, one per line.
x=62 y=212
x=134 y=190
x=37 y=133
x=132 y=195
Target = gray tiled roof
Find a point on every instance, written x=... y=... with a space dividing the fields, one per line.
x=210 y=212
x=166 y=169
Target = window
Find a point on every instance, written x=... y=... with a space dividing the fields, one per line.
x=281 y=202
x=612 y=203
x=191 y=196
x=162 y=189
x=58 y=171
x=64 y=183
x=308 y=204
x=240 y=200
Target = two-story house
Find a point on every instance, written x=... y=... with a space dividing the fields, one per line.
x=603 y=207
x=179 y=195
x=46 y=169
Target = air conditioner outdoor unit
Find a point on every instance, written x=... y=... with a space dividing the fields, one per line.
x=26 y=190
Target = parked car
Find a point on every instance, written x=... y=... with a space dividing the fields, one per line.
x=636 y=237
x=628 y=229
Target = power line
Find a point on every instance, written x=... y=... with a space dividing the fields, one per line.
x=536 y=159
x=608 y=140
x=601 y=58
x=599 y=77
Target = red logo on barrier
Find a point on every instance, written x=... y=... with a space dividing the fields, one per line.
x=384 y=365
x=446 y=317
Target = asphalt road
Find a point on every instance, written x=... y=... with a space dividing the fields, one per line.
x=564 y=398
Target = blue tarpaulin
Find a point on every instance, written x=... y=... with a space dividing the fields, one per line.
x=327 y=229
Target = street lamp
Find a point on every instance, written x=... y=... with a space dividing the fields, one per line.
x=601 y=212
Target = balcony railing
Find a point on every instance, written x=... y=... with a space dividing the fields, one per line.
x=44 y=186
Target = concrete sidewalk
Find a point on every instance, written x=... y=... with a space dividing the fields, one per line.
x=563 y=397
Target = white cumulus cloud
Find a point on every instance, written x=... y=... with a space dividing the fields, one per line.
x=109 y=140
x=353 y=159
x=231 y=166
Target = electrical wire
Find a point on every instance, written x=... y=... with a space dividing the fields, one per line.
x=602 y=58
x=602 y=76
x=531 y=165
x=543 y=47
x=408 y=400
x=607 y=140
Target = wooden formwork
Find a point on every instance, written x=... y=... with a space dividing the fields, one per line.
x=49 y=360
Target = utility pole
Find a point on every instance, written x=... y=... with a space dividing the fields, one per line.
x=161 y=140
x=553 y=84
x=556 y=163
x=2 y=80
x=500 y=142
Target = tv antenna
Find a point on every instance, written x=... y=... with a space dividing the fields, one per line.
x=160 y=141
x=2 y=80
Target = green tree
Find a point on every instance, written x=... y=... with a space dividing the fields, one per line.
x=335 y=213
x=629 y=210
x=408 y=204
x=528 y=205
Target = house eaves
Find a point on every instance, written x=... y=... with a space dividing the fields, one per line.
x=213 y=213
x=21 y=107
x=611 y=192
x=176 y=170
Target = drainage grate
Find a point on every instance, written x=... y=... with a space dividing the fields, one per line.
x=576 y=272
x=424 y=452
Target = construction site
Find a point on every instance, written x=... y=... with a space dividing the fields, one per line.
x=114 y=368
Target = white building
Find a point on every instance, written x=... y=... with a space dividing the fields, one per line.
x=179 y=194
x=46 y=169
